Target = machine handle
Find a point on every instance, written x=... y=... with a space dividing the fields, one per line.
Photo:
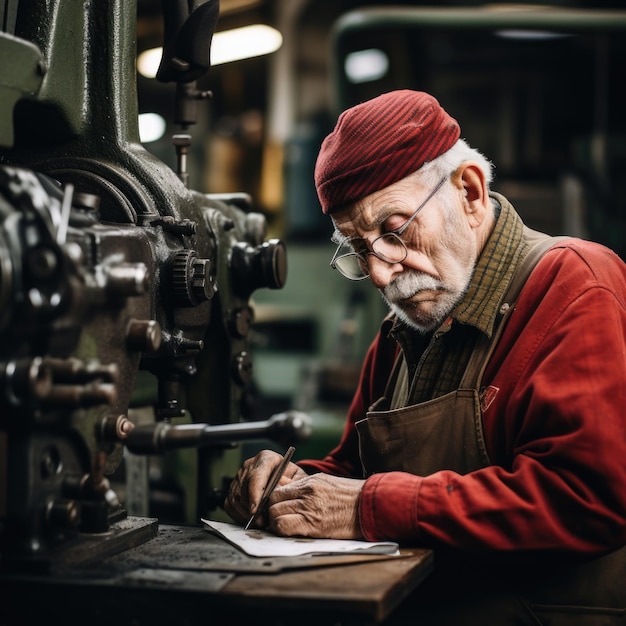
x=187 y=40
x=160 y=437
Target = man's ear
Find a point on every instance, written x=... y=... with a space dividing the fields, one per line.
x=471 y=182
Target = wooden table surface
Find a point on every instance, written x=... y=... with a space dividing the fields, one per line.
x=186 y=576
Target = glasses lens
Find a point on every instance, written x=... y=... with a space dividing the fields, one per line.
x=352 y=266
x=390 y=248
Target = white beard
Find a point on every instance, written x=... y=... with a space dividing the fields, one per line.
x=423 y=317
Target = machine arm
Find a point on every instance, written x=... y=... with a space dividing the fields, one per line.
x=290 y=426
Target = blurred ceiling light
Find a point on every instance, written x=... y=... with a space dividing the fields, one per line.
x=519 y=6
x=148 y=62
x=365 y=66
x=151 y=127
x=244 y=43
x=530 y=35
x=227 y=46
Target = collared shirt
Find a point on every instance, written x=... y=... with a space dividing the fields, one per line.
x=436 y=362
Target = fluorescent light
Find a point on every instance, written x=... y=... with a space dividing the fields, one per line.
x=532 y=35
x=244 y=43
x=364 y=66
x=151 y=127
x=227 y=46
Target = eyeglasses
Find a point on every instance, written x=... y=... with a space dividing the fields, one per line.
x=388 y=247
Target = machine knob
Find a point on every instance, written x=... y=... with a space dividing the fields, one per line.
x=127 y=279
x=191 y=279
x=261 y=266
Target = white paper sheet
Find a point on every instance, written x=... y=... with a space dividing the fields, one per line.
x=262 y=543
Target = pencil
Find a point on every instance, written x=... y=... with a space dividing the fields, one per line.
x=276 y=475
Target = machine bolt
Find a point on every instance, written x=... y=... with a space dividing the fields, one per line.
x=128 y=279
x=63 y=514
x=23 y=380
x=143 y=335
x=240 y=321
x=181 y=143
x=170 y=225
x=191 y=278
x=201 y=283
x=50 y=463
x=242 y=368
x=116 y=428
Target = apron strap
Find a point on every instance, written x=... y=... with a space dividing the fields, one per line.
x=539 y=244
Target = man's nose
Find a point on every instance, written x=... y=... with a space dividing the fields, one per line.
x=382 y=272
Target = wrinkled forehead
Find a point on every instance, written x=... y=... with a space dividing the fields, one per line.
x=347 y=215
x=368 y=213
x=358 y=218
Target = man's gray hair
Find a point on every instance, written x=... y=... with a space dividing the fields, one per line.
x=449 y=161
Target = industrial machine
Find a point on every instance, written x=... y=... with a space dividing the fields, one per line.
x=112 y=268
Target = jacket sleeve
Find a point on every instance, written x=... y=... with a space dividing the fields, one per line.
x=554 y=425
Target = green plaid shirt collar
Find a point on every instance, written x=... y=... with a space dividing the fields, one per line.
x=495 y=269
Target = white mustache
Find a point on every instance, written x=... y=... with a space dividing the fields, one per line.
x=408 y=284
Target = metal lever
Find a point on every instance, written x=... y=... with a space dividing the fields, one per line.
x=290 y=426
x=188 y=33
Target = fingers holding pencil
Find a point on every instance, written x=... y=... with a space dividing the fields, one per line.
x=247 y=489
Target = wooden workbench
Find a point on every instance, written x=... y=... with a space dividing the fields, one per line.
x=186 y=576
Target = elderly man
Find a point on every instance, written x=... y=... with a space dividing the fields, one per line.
x=490 y=418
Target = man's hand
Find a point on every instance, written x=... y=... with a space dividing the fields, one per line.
x=319 y=506
x=246 y=489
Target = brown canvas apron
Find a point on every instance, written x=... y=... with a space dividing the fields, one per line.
x=447 y=433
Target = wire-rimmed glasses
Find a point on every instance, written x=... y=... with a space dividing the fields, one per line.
x=389 y=247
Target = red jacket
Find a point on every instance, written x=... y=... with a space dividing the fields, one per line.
x=554 y=419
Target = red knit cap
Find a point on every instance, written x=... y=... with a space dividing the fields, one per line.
x=379 y=142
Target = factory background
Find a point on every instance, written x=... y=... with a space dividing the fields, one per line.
x=167 y=304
